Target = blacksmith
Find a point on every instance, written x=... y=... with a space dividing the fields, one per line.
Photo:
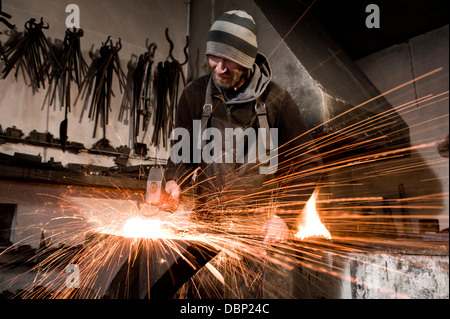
x=239 y=97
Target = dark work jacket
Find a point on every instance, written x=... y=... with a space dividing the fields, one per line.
x=299 y=163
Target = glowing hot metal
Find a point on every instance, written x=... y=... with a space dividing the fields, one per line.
x=144 y=228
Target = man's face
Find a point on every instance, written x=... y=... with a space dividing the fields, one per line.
x=226 y=74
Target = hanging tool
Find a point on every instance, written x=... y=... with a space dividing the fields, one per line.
x=142 y=95
x=127 y=99
x=63 y=131
x=33 y=54
x=3 y=17
x=169 y=75
x=100 y=79
x=73 y=69
x=2 y=54
x=176 y=62
x=161 y=86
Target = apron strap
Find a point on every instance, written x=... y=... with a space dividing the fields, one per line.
x=260 y=108
x=206 y=114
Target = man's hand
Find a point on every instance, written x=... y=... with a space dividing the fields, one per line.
x=172 y=201
x=275 y=230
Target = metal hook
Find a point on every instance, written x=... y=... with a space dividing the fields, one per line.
x=118 y=46
x=151 y=49
x=68 y=37
x=105 y=48
x=41 y=24
x=29 y=24
x=170 y=44
x=107 y=40
x=79 y=32
x=185 y=51
x=6 y=16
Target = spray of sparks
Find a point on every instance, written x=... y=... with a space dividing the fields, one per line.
x=112 y=237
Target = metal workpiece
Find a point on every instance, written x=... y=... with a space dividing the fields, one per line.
x=140 y=268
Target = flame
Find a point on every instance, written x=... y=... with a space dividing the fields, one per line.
x=144 y=228
x=310 y=224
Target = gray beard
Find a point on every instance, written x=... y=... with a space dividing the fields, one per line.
x=228 y=84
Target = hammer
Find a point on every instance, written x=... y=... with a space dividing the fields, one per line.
x=155 y=194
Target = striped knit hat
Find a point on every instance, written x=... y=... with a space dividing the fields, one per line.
x=233 y=37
